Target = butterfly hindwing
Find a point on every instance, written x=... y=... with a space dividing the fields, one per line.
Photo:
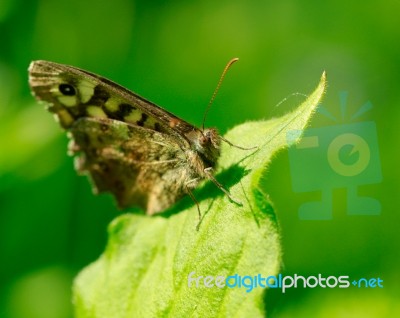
x=138 y=165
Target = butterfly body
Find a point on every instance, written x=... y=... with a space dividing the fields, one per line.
x=144 y=155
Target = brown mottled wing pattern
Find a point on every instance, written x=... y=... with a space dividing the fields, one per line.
x=139 y=166
x=97 y=96
x=126 y=144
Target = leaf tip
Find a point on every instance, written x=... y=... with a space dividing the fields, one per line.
x=322 y=86
x=322 y=81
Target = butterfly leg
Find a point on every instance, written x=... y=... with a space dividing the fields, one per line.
x=208 y=173
x=190 y=193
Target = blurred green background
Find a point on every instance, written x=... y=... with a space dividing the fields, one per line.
x=172 y=52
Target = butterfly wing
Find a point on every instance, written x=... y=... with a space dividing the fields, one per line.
x=129 y=146
x=137 y=165
x=74 y=93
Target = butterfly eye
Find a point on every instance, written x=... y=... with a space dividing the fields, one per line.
x=67 y=89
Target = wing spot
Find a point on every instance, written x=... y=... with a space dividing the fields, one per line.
x=64 y=118
x=100 y=96
x=142 y=120
x=67 y=89
x=67 y=101
x=86 y=90
x=95 y=111
x=111 y=105
x=133 y=117
x=125 y=110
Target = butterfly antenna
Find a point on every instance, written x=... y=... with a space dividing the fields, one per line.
x=217 y=88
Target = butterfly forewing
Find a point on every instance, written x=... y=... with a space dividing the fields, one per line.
x=75 y=93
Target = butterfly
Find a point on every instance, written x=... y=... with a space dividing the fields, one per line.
x=139 y=152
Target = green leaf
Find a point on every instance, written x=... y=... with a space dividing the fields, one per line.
x=144 y=269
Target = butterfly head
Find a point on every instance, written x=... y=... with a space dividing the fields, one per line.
x=207 y=143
